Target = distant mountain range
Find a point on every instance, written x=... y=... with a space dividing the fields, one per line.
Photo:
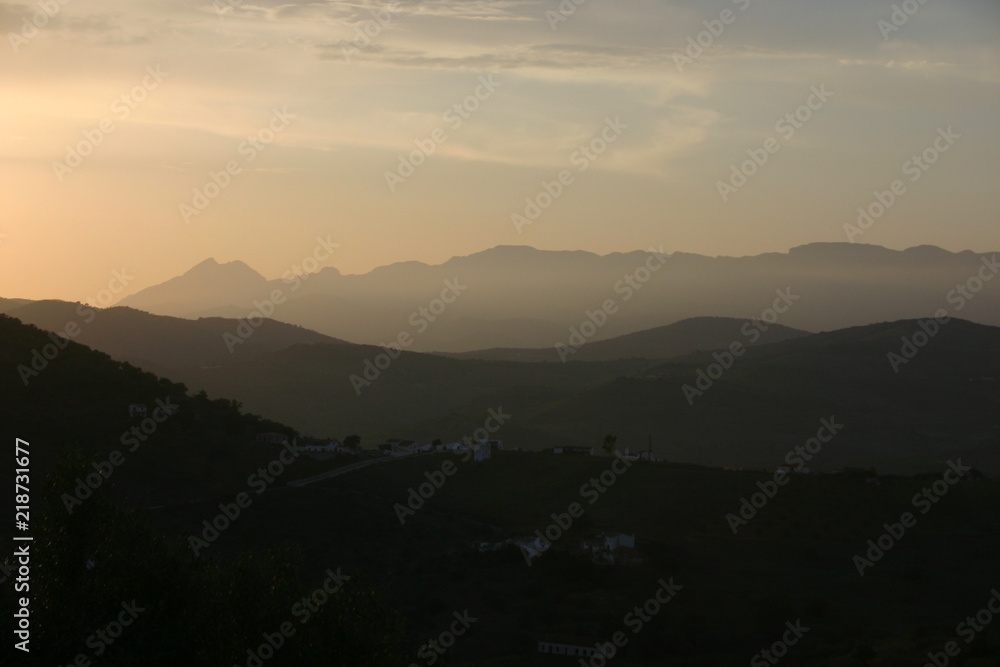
x=748 y=410
x=520 y=297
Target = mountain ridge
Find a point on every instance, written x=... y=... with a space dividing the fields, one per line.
x=530 y=295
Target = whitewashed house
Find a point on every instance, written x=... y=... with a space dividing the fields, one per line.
x=571 y=650
x=482 y=451
x=332 y=447
x=611 y=548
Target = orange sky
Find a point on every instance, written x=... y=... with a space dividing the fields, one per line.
x=498 y=99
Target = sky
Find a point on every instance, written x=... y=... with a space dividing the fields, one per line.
x=147 y=137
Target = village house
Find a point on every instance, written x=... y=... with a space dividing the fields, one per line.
x=574 y=451
x=331 y=447
x=611 y=549
x=644 y=455
x=482 y=451
x=397 y=447
x=564 y=647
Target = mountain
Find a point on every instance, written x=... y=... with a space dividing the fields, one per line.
x=161 y=343
x=71 y=403
x=206 y=285
x=942 y=403
x=666 y=342
x=701 y=407
x=521 y=297
x=8 y=304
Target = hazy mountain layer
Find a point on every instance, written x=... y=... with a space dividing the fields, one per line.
x=519 y=297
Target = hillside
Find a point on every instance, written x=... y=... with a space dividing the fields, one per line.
x=769 y=401
x=8 y=304
x=666 y=342
x=161 y=343
x=76 y=404
x=772 y=398
x=793 y=560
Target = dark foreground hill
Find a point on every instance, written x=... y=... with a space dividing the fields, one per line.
x=906 y=396
x=792 y=562
x=97 y=582
x=945 y=400
x=68 y=400
x=769 y=400
x=807 y=556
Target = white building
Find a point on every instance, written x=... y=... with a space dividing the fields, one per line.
x=482 y=451
x=557 y=648
x=332 y=447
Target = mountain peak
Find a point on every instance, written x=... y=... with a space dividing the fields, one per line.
x=211 y=267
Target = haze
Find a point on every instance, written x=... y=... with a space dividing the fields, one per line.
x=226 y=68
